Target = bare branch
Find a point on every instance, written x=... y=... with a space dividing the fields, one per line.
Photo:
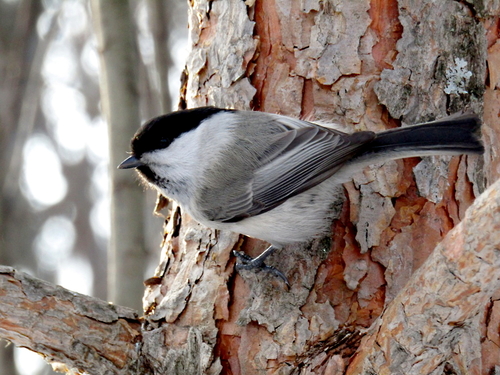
x=82 y=332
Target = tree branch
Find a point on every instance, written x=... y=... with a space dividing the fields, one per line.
x=82 y=332
x=426 y=327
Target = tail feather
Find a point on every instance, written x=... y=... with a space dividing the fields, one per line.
x=452 y=135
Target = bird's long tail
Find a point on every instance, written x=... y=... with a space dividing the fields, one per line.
x=453 y=135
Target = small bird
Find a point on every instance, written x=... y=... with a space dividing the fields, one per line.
x=274 y=177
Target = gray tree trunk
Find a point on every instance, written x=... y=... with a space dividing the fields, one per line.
x=120 y=102
x=19 y=86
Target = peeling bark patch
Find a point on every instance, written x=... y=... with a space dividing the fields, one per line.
x=223 y=47
x=431 y=176
x=189 y=301
x=376 y=213
x=388 y=29
x=341 y=39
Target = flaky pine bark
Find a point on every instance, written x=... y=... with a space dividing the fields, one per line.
x=369 y=299
x=368 y=66
x=435 y=320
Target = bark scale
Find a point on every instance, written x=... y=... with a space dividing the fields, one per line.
x=369 y=299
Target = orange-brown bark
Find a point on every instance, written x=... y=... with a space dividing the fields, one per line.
x=365 y=65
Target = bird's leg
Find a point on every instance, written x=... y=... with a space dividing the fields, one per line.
x=246 y=262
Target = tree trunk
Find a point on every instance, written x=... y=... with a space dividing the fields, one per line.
x=367 y=66
x=373 y=297
x=120 y=102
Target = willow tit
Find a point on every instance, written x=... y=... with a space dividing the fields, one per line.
x=273 y=177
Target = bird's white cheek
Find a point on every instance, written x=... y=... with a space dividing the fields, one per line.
x=170 y=182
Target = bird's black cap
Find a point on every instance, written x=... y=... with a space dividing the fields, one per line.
x=161 y=131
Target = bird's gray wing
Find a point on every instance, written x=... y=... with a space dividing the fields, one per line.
x=297 y=160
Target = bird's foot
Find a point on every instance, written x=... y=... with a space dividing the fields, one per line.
x=246 y=262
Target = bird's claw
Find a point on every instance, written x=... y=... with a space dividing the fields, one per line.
x=246 y=262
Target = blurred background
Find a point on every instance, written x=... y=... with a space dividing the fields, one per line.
x=55 y=204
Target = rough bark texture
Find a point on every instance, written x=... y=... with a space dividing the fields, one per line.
x=434 y=323
x=364 y=65
x=369 y=299
x=70 y=330
x=431 y=327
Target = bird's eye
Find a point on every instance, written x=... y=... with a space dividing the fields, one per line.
x=164 y=142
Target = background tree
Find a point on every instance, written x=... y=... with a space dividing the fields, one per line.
x=120 y=97
x=354 y=306
x=54 y=200
x=16 y=39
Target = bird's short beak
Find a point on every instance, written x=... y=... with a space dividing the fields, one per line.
x=130 y=162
